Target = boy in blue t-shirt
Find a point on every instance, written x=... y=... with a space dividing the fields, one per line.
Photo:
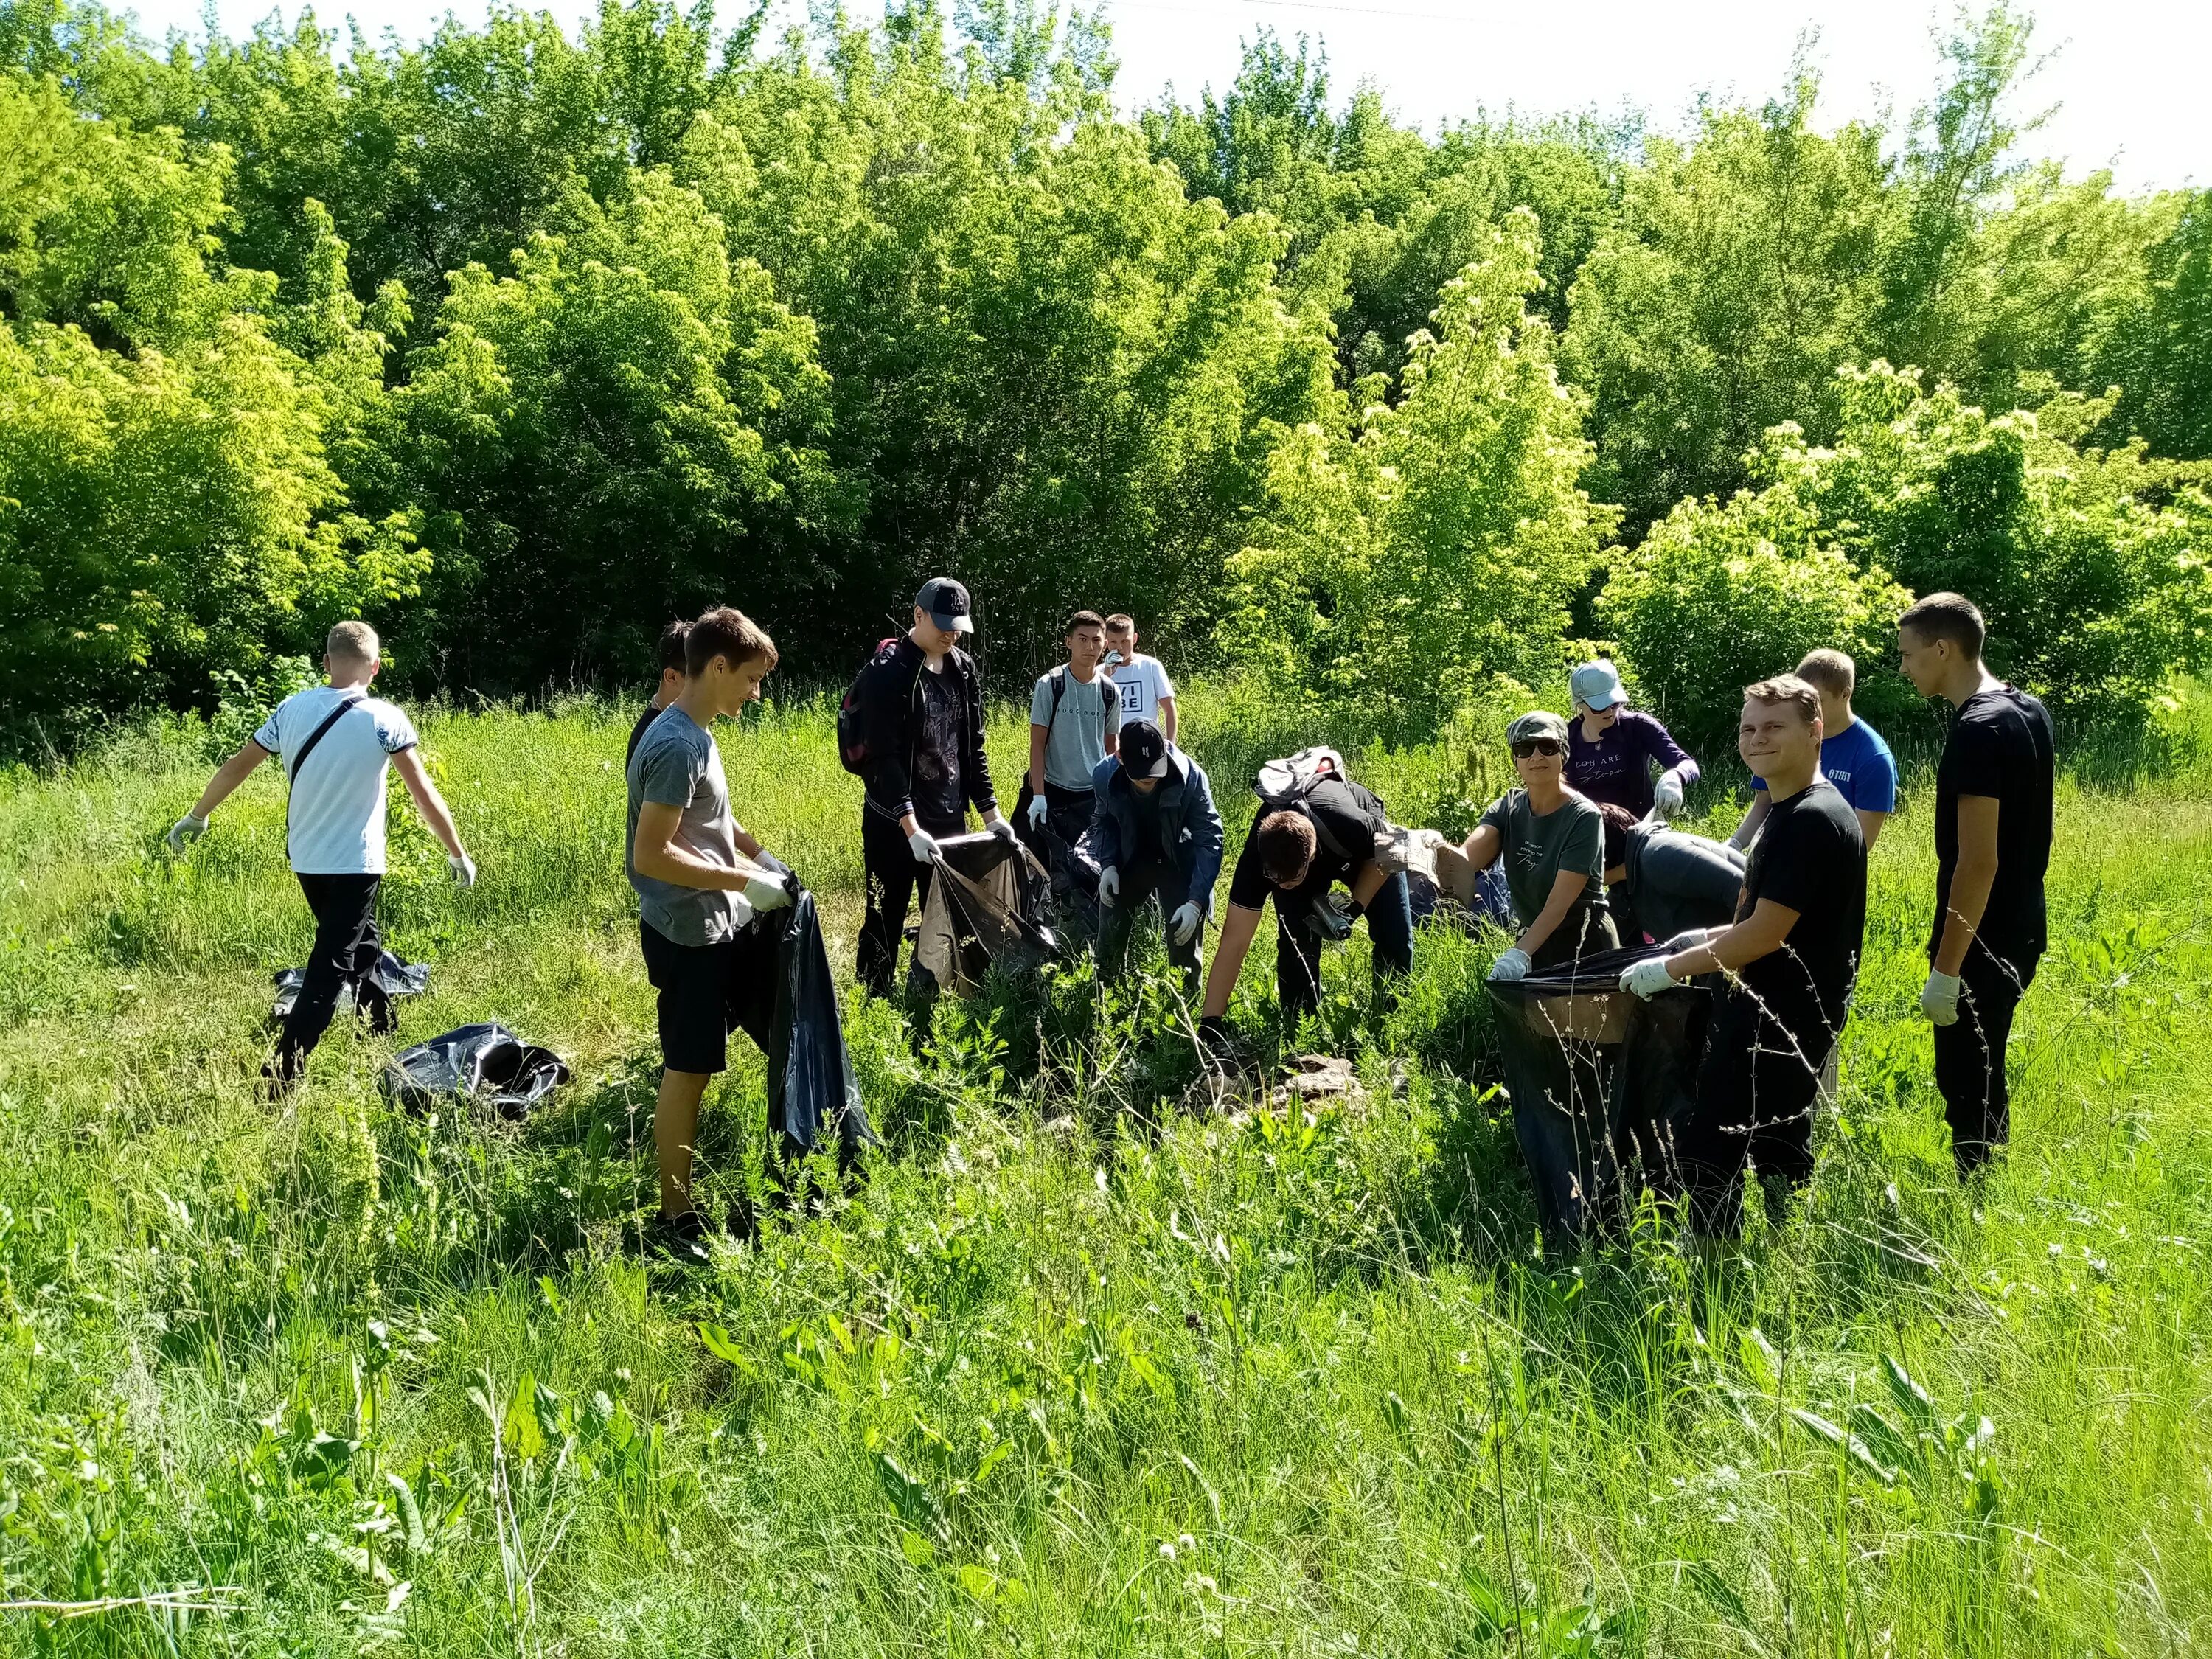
x=1853 y=757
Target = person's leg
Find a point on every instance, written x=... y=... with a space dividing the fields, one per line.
x=892 y=878
x=674 y=1131
x=1298 y=963
x=1118 y=920
x=1390 y=937
x=1970 y=1060
x=1712 y=1141
x=692 y=983
x=368 y=995
x=1171 y=883
x=344 y=908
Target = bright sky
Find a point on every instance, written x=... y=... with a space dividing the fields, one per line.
x=2127 y=76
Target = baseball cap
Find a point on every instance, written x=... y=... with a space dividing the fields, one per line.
x=1597 y=686
x=946 y=601
x=1143 y=752
x=1536 y=723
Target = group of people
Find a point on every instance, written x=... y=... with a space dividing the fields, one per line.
x=1586 y=852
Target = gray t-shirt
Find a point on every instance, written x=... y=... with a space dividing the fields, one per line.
x=676 y=764
x=1570 y=837
x=1075 y=741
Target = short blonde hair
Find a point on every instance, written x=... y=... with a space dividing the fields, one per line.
x=1831 y=672
x=1787 y=687
x=354 y=641
x=1118 y=624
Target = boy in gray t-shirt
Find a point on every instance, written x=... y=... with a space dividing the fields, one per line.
x=700 y=882
x=1075 y=713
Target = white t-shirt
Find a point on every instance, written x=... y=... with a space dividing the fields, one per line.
x=335 y=819
x=1143 y=684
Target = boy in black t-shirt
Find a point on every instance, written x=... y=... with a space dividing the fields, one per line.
x=1294 y=854
x=1993 y=805
x=1792 y=958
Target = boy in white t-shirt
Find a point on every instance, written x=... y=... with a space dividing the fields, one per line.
x=335 y=741
x=1145 y=690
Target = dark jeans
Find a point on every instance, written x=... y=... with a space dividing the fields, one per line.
x=1297 y=952
x=1171 y=885
x=1970 y=1057
x=346 y=948
x=894 y=878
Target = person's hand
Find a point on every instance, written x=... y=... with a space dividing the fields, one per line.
x=1109 y=885
x=1668 y=797
x=1186 y=922
x=464 y=868
x=768 y=892
x=997 y=824
x=922 y=844
x=1939 y=998
x=1213 y=1034
x=1038 y=811
x=1512 y=965
x=768 y=861
x=183 y=831
x=1647 y=978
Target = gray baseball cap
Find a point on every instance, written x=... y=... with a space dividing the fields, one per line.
x=946 y=601
x=1597 y=686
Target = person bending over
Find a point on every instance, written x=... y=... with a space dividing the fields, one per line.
x=335 y=740
x=1791 y=957
x=1552 y=840
x=671 y=686
x=703 y=887
x=1296 y=853
x=1993 y=811
x=1613 y=749
x=1853 y=755
x=1154 y=832
x=1661 y=882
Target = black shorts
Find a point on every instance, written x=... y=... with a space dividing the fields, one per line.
x=707 y=991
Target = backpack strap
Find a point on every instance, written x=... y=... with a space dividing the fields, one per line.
x=345 y=707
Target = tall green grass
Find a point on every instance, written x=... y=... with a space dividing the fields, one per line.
x=1078 y=1371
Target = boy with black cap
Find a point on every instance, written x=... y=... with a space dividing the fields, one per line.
x=1153 y=831
x=921 y=704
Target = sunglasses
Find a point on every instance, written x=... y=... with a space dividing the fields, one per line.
x=1529 y=746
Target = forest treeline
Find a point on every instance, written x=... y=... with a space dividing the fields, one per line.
x=518 y=343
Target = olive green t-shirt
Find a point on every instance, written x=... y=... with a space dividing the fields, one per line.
x=1570 y=837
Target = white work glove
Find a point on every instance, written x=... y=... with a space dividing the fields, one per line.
x=464 y=868
x=1186 y=922
x=185 y=830
x=1513 y=964
x=1939 y=998
x=923 y=844
x=770 y=892
x=1038 y=811
x=1109 y=885
x=997 y=824
x=1668 y=797
x=768 y=861
x=1648 y=978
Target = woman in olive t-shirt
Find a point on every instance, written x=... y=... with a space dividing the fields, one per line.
x=1552 y=840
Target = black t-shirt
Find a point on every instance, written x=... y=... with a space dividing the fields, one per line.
x=637 y=733
x=1343 y=813
x=938 y=796
x=1811 y=858
x=2001 y=745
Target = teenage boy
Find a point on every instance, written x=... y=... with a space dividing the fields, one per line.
x=1791 y=958
x=1294 y=854
x=1853 y=755
x=1145 y=690
x=336 y=741
x=1073 y=713
x=921 y=701
x=1154 y=831
x=702 y=881
x=1993 y=805
x=671 y=686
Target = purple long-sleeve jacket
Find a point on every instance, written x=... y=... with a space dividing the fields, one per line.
x=1617 y=766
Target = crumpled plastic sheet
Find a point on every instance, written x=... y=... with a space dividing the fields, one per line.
x=487 y=1063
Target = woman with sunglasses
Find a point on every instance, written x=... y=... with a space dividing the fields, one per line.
x=1614 y=748
x=1552 y=840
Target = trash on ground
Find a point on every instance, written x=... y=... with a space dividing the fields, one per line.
x=391 y=975
x=487 y=1063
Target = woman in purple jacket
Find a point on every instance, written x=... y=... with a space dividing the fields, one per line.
x=1610 y=750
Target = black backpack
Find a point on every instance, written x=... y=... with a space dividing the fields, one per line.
x=852 y=751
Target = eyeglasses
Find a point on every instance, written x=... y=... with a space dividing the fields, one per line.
x=1529 y=746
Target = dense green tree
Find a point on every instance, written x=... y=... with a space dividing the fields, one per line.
x=2159 y=350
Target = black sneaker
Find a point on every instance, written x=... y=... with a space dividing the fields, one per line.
x=682 y=1239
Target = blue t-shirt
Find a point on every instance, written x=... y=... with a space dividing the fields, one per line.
x=1858 y=762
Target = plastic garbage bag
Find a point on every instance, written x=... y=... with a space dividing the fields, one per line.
x=811 y=1077
x=486 y=1062
x=986 y=909
x=391 y=975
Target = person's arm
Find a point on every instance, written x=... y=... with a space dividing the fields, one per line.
x=227 y=776
x=1167 y=716
x=886 y=699
x=1566 y=887
x=1747 y=832
x=1038 y=736
x=1870 y=826
x=1237 y=928
x=1367 y=882
x=1759 y=935
x=974 y=764
x=656 y=854
x=1111 y=714
x=1972 y=879
x=1673 y=760
x=1482 y=847
x=1206 y=840
x=428 y=802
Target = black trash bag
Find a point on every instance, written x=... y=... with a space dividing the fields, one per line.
x=810 y=1081
x=488 y=1063
x=987 y=907
x=1595 y=1074
x=393 y=977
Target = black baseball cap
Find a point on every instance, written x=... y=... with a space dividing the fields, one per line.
x=946 y=601
x=1143 y=752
